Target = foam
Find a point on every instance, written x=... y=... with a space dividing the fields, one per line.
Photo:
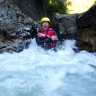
x=36 y=72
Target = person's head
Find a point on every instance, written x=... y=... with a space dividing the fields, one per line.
x=45 y=21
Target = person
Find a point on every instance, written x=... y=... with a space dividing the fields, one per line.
x=46 y=36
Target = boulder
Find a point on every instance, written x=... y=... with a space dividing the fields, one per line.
x=87 y=19
x=14 y=42
x=86 y=33
x=81 y=27
x=11 y=18
x=33 y=8
x=86 y=39
x=13 y=37
x=65 y=24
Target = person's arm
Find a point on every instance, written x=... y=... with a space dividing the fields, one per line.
x=41 y=42
x=54 y=38
x=56 y=34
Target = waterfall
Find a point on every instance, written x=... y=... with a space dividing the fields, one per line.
x=36 y=72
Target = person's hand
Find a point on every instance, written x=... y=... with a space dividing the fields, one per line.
x=41 y=35
x=53 y=38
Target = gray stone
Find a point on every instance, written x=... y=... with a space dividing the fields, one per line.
x=32 y=8
x=86 y=33
x=12 y=22
x=2 y=1
x=67 y=21
x=66 y=24
x=28 y=21
x=87 y=18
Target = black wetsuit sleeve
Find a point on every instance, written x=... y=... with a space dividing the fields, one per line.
x=47 y=39
x=41 y=42
x=56 y=34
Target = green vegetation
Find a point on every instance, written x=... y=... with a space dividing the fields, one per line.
x=55 y=6
x=66 y=6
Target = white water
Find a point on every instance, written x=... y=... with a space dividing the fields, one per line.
x=35 y=72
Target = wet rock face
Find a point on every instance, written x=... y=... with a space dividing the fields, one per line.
x=81 y=27
x=11 y=18
x=16 y=28
x=87 y=19
x=33 y=8
x=13 y=37
x=14 y=42
x=86 y=34
x=1 y=1
x=65 y=24
x=86 y=39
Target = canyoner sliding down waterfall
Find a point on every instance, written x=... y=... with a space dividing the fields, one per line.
x=35 y=61
x=46 y=37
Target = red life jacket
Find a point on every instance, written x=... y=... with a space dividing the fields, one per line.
x=50 y=33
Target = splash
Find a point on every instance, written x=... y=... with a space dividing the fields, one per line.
x=36 y=72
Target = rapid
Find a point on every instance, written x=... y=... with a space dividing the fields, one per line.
x=36 y=72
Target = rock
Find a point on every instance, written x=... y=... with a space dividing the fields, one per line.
x=86 y=33
x=32 y=8
x=66 y=24
x=2 y=1
x=13 y=37
x=86 y=39
x=81 y=27
x=28 y=21
x=87 y=19
x=16 y=41
x=9 y=15
x=35 y=28
x=11 y=18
